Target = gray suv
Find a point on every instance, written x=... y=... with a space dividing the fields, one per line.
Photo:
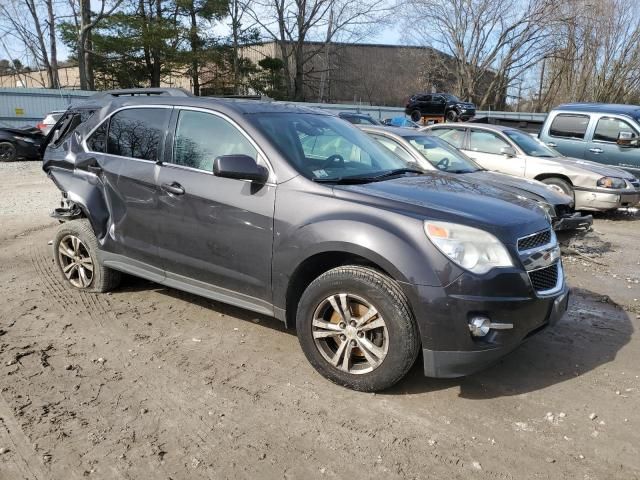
x=296 y=214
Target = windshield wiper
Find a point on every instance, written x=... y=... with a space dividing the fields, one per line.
x=397 y=171
x=367 y=179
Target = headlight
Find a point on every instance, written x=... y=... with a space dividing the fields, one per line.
x=470 y=248
x=24 y=139
x=549 y=210
x=612 y=182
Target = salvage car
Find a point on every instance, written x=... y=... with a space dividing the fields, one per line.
x=432 y=153
x=20 y=143
x=293 y=213
x=594 y=187
x=439 y=104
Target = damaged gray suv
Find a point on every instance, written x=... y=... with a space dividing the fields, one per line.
x=296 y=214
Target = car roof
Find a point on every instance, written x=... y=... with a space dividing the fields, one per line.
x=633 y=110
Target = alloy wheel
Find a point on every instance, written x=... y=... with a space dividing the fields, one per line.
x=350 y=333
x=75 y=261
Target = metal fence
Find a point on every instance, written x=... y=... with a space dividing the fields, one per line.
x=27 y=106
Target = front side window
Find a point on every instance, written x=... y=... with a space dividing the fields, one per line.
x=137 y=132
x=324 y=147
x=454 y=136
x=569 y=126
x=486 y=142
x=201 y=137
x=609 y=129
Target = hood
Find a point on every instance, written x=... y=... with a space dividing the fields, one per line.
x=439 y=196
x=532 y=189
x=32 y=132
x=592 y=167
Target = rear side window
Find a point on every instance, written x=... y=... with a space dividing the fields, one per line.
x=137 y=132
x=453 y=136
x=201 y=137
x=486 y=142
x=569 y=126
x=608 y=129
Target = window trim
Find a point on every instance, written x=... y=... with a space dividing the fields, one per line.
x=612 y=117
x=571 y=114
x=108 y=119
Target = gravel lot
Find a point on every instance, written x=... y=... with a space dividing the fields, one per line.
x=149 y=382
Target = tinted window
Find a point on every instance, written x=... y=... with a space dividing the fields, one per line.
x=201 y=137
x=424 y=98
x=137 y=132
x=455 y=136
x=569 y=126
x=486 y=142
x=97 y=142
x=608 y=129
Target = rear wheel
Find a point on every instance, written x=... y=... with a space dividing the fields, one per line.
x=76 y=254
x=416 y=116
x=356 y=328
x=7 y=152
x=560 y=185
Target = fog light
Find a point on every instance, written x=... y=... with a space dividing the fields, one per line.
x=479 y=326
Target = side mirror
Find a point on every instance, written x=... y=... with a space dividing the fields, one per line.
x=240 y=167
x=627 y=139
x=508 y=152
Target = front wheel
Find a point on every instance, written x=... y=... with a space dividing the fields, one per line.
x=452 y=116
x=560 y=186
x=356 y=328
x=416 y=116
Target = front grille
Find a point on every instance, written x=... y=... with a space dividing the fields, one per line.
x=544 y=278
x=536 y=240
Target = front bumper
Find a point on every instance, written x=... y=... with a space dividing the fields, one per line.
x=443 y=316
x=599 y=200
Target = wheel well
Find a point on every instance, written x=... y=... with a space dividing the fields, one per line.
x=544 y=176
x=311 y=269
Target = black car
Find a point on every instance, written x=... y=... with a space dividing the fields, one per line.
x=359 y=118
x=439 y=104
x=293 y=213
x=20 y=143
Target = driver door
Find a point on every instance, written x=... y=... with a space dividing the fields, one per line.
x=485 y=148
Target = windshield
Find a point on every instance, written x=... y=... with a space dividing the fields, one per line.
x=441 y=155
x=529 y=145
x=323 y=147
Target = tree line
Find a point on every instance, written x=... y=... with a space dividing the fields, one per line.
x=534 y=53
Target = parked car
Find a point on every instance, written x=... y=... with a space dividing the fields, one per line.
x=294 y=213
x=20 y=143
x=603 y=133
x=443 y=104
x=593 y=186
x=359 y=118
x=432 y=153
x=49 y=121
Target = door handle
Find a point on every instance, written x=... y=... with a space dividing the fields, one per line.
x=551 y=144
x=175 y=188
x=595 y=150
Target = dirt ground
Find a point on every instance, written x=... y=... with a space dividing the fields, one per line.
x=151 y=383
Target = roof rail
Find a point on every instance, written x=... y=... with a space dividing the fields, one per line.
x=140 y=92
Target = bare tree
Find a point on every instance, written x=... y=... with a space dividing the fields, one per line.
x=492 y=43
x=292 y=23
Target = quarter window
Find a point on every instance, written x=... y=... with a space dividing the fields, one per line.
x=486 y=142
x=608 y=129
x=201 y=137
x=569 y=126
x=137 y=132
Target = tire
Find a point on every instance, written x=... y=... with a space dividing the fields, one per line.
x=416 y=116
x=8 y=152
x=390 y=334
x=76 y=237
x=451 y=116
x=560 y=185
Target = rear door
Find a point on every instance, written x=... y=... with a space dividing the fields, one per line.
x=216 y=233
x=603 y=147
x=485 y=147
x=567 y=134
